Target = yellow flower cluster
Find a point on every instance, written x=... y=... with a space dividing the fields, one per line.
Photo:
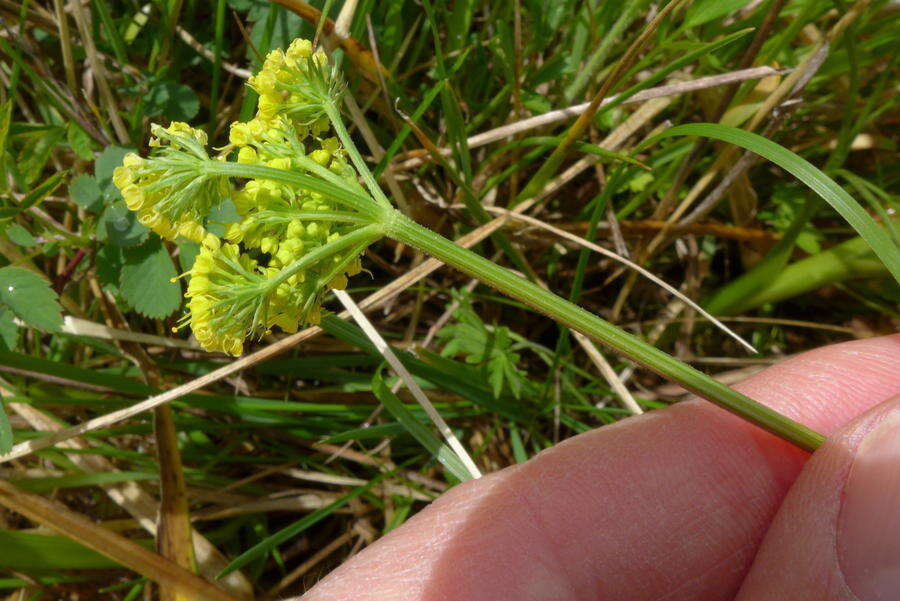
x=258 y=277
x=280 y=220
x=294 y=83
x=164 y=189
x=230 y=296
x=220 y=279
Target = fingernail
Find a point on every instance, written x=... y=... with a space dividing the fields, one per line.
x=869 y=525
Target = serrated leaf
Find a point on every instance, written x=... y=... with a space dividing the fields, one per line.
x=120 y=226
x=146 y=283
x=109 y=265
x=479 y=345
x=80 y=141
x=174 y=101
x=19 y=235
x=86 y=192
x=29 y=296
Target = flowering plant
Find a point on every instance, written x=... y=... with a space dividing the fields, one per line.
x=292 y=243
x=305 y=220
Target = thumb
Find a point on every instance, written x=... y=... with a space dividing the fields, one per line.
x=836 y=537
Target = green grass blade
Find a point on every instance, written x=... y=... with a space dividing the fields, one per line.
x=418 y=430
x=33 y=551
x=876 y=237
x=270 y=542
x=849 y=260
x=6 y=433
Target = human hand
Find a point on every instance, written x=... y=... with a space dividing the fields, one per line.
x=684 y=503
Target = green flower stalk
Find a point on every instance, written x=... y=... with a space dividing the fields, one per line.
x=305 y=220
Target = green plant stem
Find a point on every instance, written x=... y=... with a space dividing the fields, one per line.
x=357 y=201
x=404 y=230
x=469 y=197
x=334 y=115
x=390 y=222
x=364 y=236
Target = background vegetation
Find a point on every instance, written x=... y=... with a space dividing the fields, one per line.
x=288 y=464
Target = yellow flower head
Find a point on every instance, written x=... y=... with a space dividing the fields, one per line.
x=170 y=190
x=296 y=84
x=224 y=295
x=280 y=259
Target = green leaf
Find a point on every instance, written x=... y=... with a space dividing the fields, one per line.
x=80 y=141
x=146 y=283
x=86 y=192
x=6 y=433
x=269 y=543
x=36 y=153
x=19 y=235
x=187 y=254
x=443 y=453
x=41 y=191
x=33 y=551
x=29 y=296
x=849 y=260
x=536 y=103
x=109 y=265
x=9 y=331
x=120 y=226
x=220 y=216
x=48 y=484
x=705 y=11
x=109 y=159
x=490 y=348
x=876 y=237
x=174 y=101
x=5 y=118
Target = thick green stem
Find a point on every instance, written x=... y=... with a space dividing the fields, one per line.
x=404 y=230
x=387 y=221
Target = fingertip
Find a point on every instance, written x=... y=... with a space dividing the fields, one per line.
x=820 y=388
x=837 y=534
x=868 y=532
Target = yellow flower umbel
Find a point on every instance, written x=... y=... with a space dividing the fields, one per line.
x=294 y=240
x=170 y=190
x=224 y=296
x=296 y=83
x=231 y=296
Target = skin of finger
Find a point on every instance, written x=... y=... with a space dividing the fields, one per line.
x=798 y=558
x=666 y=506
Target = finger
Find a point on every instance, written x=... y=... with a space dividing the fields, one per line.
x=837 y=535
x=671 y=505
